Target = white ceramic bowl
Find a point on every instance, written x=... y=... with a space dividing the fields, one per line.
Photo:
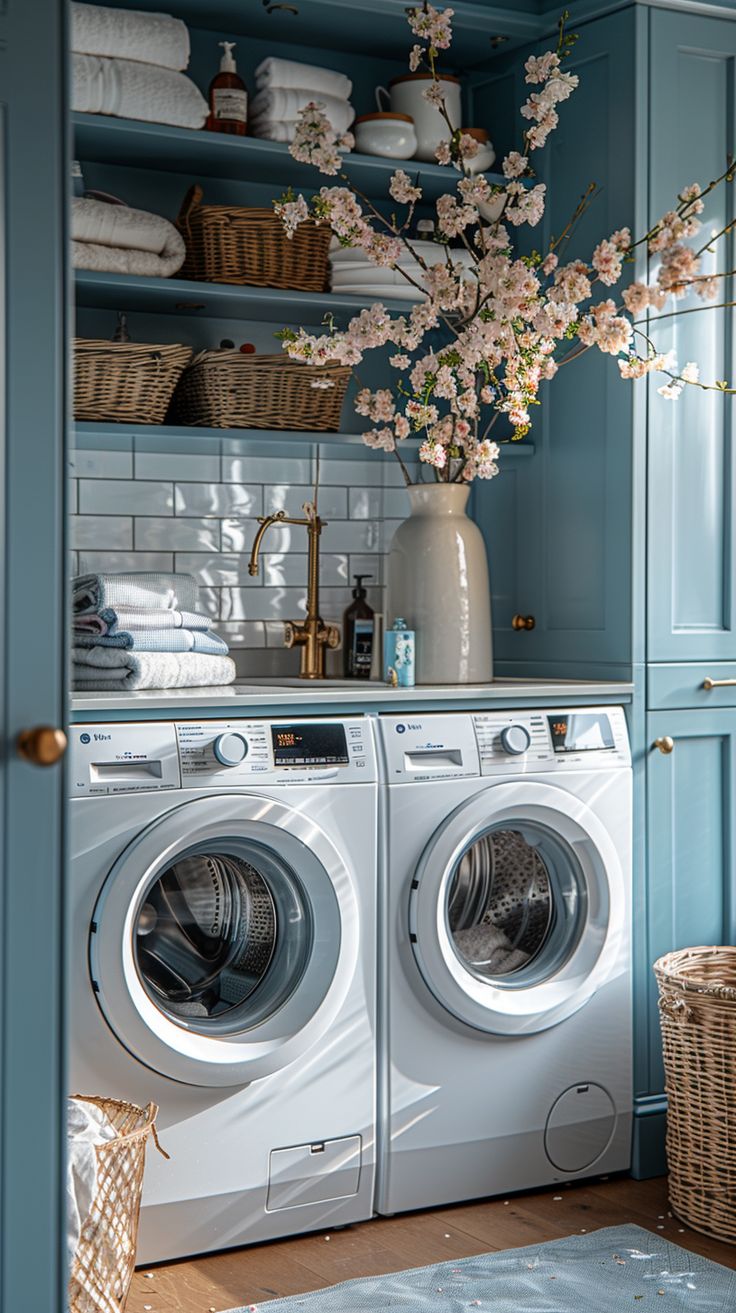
x=389 y=135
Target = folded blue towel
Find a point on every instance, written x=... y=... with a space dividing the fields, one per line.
x=157 y=640
x=96 y=592
x=119 y=620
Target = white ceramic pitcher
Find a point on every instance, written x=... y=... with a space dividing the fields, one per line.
x=405 y=96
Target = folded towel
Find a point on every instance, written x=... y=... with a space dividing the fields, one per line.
x=107 y=224
x=157 y=640
x=97 y=592
x=290 y=73
x=99 y=668
x=116 y=260
x=131 y=90
x=267 y=130
x=130 y=34
x=121 y=619
x=277 y=105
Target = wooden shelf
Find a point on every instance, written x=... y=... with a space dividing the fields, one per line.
x=103 y=139
x=92 y=435
x=218 y=300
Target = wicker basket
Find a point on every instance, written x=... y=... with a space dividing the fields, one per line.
x=226 y=389
x=232 y=244
x=697 y=1008
x=125 y=382
x=105 y=1258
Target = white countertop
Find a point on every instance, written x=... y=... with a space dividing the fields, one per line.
x=254 y=694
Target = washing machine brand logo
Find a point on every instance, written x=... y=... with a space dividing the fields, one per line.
x=401 y=729
x=84 y=738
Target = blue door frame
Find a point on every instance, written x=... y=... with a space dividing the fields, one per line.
x=33 y=174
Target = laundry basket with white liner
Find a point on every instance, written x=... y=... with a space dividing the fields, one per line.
x=697 y=1010
x=104 y=1258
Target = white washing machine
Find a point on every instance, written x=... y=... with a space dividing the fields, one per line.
x=505 y=953
x=222 y=966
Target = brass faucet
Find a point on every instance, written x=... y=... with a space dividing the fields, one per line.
x=311 y=635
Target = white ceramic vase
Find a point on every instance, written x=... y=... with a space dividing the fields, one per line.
x=438 y=581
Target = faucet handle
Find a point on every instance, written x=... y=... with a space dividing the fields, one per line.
x=293 y=633
x=332 y=635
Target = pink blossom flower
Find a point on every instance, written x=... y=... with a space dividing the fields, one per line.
x=608 y=262
x=380 y=439
x=415 y=57
x=433 y=453
x=549 y=264
x=433 y=93
x=432 y=25
x=315 y=140
x=291 y=214
x=514 y=165
x=443 y=153
x=399 y=361
x=540 y=67
x=402 y=188
x=636 y=298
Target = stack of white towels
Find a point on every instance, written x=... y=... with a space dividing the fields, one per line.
x=112 y=237
x=144 y=630
x=129 y=64
x=284 y=87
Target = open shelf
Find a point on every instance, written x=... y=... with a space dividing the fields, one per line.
x=103 y=291
x=92 y=435
x=103 y=139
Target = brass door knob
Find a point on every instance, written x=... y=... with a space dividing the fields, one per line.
x=665 y=744
x=523 y=622
x=42 y=746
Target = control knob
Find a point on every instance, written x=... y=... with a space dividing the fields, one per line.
x=230 y=749
x=515 y=740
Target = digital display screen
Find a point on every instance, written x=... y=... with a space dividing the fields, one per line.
x=309 y=745
x=581 y=732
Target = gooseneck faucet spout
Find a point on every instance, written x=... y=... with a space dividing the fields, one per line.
x=311 y=635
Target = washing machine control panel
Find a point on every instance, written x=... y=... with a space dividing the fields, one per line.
x=122 y=758
x=231 y=753
x=531 y=741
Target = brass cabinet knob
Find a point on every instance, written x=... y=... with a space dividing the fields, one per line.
x=42 y=746
x=523 y=622
x=665 y=744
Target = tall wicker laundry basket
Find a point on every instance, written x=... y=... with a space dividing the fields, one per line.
x=105 y=1258
x=697 y=1008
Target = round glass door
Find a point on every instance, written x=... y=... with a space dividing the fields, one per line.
x=517 y=908
x=514 y=904
x=221 y=939
x=225 y=940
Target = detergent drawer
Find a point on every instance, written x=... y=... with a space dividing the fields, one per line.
x=314 y=1173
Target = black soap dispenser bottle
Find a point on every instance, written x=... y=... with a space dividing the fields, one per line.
x=358 y=628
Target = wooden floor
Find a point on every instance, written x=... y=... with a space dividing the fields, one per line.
x=291 y=1267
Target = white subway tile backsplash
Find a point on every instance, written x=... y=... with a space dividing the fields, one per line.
x=218 y=499
x=101 y=464
x=266 y=469
x=120 y=562
x=283 y=497
x=177 y=534
x=177 y=466
x=125 y=497
x=196 y=512
x=101 y=531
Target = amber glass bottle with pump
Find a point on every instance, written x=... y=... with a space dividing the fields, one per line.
x=358 y=628
x=228 y=97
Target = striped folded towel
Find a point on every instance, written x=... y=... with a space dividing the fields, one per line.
x=116 y=670
x=93 y=593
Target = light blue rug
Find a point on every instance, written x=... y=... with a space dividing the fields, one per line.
x=617 y=1269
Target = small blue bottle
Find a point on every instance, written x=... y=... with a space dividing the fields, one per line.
x=399 y=653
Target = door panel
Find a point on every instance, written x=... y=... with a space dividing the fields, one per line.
x=692 y=474
x=33 y=174
x=691 y=860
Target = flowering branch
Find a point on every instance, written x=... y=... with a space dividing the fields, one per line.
x=505 y=318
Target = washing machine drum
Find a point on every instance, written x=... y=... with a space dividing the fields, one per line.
x=517 y=908
x=224 y=940
x=205 y=935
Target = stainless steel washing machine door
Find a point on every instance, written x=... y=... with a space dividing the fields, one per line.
x=518 y=908
x=224 y=940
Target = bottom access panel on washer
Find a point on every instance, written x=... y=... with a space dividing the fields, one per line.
x=314 y=1173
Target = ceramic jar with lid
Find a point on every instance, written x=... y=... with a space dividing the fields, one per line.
x=406 y=96
x=387 y=134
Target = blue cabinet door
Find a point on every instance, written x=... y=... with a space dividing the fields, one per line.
x=692 y=471
x=33 y=176
x=691 y=856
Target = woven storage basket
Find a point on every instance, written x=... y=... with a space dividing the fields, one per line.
x=234 y=244
x=697 y=1009
x=226 y=389
x=125 y=382
x=105 y=1258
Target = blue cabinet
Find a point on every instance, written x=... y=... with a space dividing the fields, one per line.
x=691 y=467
